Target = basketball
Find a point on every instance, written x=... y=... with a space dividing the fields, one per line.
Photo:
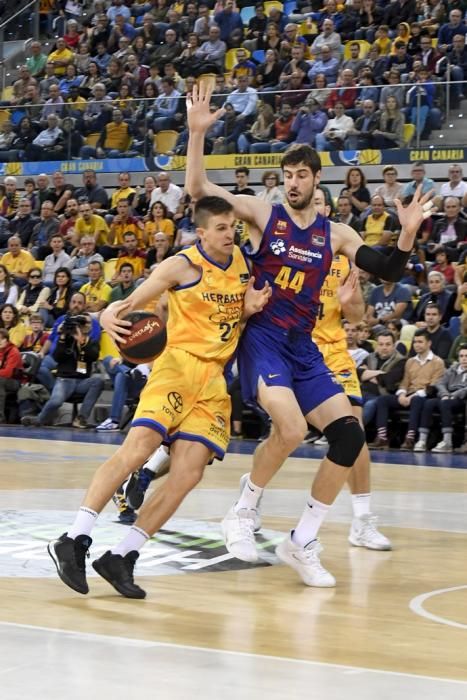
x=147 y=339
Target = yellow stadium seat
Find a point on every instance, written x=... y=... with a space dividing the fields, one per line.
x=39 y=264
x=164 y=141
x=231 y=58
x=91 y=139
x=109 y=268
x=364 y=48
x=307 y=28
x=409 y=131
x=270 y=4
x=5 y=115
x=107 y=347
x=434 y=41
x=7 y=93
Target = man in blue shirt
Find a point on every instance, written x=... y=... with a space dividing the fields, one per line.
x=230 y=24
x=447 y=31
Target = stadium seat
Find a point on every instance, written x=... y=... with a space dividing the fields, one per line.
x=454 y=326
x=164 y=141
x=231 y=58
x=364 y=48
x=109 y=268
x=246 y=13
x=7 y=93
x=5 y=115
x=91 y=139
x=409 y=131
x=307 y=28
x=259 y=55
x=270 y=4
x=290 y=7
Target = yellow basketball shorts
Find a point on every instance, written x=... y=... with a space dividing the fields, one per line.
x=186 y=398
x=338 y=359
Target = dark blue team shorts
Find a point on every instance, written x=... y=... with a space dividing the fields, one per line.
x=284 y=358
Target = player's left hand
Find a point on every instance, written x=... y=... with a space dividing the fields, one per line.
x=255 y=299
x=347 y=290
x=420 y=208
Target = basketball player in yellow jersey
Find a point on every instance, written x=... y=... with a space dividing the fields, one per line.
x=185 y=401
x=341 y=297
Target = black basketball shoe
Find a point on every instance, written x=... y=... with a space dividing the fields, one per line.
x=118 y=571
x=126 y=515
x=69 y=556
x=136 y=487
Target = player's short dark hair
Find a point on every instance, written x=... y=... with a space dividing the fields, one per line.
x=210 y=206
x=422 y=332
x=302 y=153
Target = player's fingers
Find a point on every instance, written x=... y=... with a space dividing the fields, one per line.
x=426 y=197
x=195 y=93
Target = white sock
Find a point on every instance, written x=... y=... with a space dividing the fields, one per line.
x=361 y=504
x=158 y=460
x=249 y=497
x=134 y=540
x=310 y=522
x=84 y=522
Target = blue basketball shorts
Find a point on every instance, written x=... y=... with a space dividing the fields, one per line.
x=284 y=358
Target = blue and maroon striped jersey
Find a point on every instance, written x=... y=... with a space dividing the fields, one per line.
x=295 y=262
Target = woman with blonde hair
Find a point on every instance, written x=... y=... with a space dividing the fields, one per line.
x=260 y=131
x=390 y=132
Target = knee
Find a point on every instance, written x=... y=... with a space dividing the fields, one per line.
x=183 y=478
x=289 y=435
x=346 y=439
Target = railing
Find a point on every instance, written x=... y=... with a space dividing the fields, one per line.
x=33 y=17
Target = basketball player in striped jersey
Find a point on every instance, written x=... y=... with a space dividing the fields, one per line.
x=292 y=247
x=185 y=401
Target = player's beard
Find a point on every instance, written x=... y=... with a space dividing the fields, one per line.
x=302 y=203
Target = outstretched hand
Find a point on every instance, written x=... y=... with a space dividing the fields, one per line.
x=255 y=299
x=349 y=288
x=116 y=327
x=199 y=116
x=412 y=216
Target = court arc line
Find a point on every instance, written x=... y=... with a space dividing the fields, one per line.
x=144 y=643
x=416 y=606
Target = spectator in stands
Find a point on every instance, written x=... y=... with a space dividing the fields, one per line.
x=47 y=82
x=167 y=51
x=460 y=303
x=441 y=339
x=148 y=31
x=92 y=77
x=204 y=22
x=161 y=248
x=84 y=253
x=419 y=178
x=17 y=261
x=166 y=106
x=11 y=321
x=241 y=176
x=12 y=196
x=8 y=289
x=443 y=264
x=451 y=395
x=450 y=231
x=24 y=81
x=344 y=213
x=32 y=295
x=420 y=372
x=230 y=24
x=326 y=64
x=58 y=301
x=360 y=135
x=347 y=92
x=400 y=11
x=355 y=63
x=37 y=61
x=335 y=131
x=327 y=37
x=58 y=258
x=142 y=201
x=356 y=189
x=380 y=373
x=460 y=341
x=125 y=283
x=68 y=221
x=168 y=193
x=96 y=291
x=60 y=57
x=457 y=67
x=420 y=99
x=400 y=60
x=447 y=32
x=380 y=228
x=388 y=302
x=69 y=80
x=296 y=67
x=310 y=120
x=271 y=192
x=438 y=295
x=24 y=135
x=10 y=366
x=35 y=339
x=257 y=23
x=113 y=142
x=369 y=17
x=122 y=222
x=260 y=130
x=130 y=253
x=48 y=143
x=98 y=111
x=357 y=353
x=244 y=101
x=90 y=224
x=455 y=186
x=389 y=132
x=61 y=192
x=393 y=89
x=74 y=355
x=158 y=221
x=391 y=189
x=116 y=8
x=42 y=232
x=128 y=382
x=93 y=192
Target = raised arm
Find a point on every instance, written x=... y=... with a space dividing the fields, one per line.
x=387 y=267
x=200 y=119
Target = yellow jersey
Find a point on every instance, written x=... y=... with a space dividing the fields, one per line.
x=204 y=317
x=328 y=328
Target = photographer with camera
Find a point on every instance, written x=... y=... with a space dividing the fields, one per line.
x=74 y=354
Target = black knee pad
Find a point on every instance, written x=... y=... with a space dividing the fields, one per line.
x=346 y=439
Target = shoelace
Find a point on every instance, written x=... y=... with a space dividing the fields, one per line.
x=369 y=525
x=311 y=556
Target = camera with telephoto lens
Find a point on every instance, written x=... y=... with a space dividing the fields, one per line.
x=71 y=323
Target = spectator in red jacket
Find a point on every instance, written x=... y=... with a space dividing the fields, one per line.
x=10 y=363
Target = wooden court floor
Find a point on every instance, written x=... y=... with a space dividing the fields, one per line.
x=399 y=612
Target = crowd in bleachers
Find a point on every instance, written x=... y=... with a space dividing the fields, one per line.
x=69 y=251
x=114 y=75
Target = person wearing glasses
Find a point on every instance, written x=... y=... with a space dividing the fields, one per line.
x=419 y=178
x=455 y=186
x=32 y=296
